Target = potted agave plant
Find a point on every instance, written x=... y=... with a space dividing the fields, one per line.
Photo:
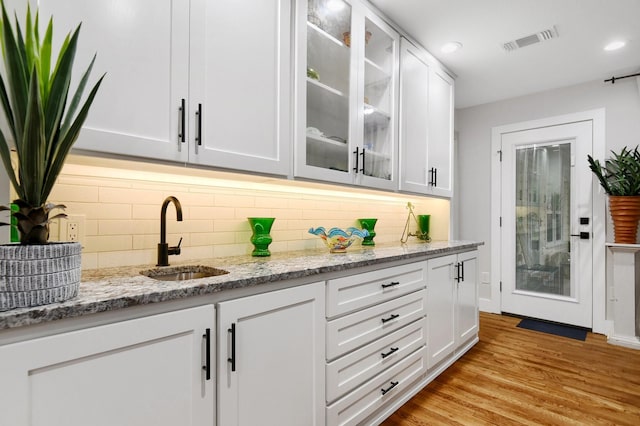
x=43 y=122
x=620 y=179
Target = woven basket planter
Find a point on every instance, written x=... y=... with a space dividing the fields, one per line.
x=33 y=275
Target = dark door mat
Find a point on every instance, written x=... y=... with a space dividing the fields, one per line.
x=551 y=328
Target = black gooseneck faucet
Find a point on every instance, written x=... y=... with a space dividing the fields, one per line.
x=163 y=248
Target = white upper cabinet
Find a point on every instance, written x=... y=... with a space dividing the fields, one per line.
x=143 y=46
x=426 y=123
x=414 y=129
x=240 y=86
x=346 y=94
x=440 y=131
x=205 y=82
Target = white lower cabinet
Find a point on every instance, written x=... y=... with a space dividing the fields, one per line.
x=146 y=371
x=452 y=303
x=345 y=351
x=374 y=352
x=271 y=358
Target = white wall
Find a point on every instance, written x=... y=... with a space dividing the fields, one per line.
x=473 y=172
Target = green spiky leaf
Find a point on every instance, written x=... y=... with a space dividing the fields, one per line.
x=44 y=120
x=620 y=174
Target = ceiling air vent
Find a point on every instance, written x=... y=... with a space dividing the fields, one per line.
x=531 y=39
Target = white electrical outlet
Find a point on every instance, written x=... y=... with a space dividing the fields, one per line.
x=72 y=228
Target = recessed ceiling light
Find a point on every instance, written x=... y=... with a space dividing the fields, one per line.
x=615 y=45
x=451 y=47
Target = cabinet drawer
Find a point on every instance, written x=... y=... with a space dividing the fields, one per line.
x=366 y=399
x=359 y=328
x=350 y=371
x=355 y=292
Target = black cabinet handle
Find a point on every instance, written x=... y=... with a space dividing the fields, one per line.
x=355 y=169
x=393 y=385
x=391 y=352
x=391 y=284
x=435 y=177
x=182 y=132
x=392 y=317
x=207 y=357
x=199 y=125
x=232 y=360
x=362 y=169
x=462 y=271
x=457 y=277
x=432 y=178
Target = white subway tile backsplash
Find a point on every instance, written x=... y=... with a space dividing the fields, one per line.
x=79 y=193
x=122 y=215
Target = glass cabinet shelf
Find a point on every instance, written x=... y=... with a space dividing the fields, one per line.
x=373 y=67
x=376 y=115
x=325 y=140
x=322 y=86
x=320 y=32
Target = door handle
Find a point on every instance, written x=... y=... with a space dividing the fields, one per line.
x=582 y=235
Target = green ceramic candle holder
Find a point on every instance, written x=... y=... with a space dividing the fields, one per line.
x=261 y=227
x=368 y=224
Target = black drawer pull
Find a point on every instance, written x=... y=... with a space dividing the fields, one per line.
x=392 y=317
x=391 y=284
x=207 y=366
x=393 y=385
x=391 y=352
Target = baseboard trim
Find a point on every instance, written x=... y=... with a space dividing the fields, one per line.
x=626 y=341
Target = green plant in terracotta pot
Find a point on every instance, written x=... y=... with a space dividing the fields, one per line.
x=43 y=122
x=619 y=176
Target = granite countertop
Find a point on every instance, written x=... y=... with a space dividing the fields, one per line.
x=110 y=289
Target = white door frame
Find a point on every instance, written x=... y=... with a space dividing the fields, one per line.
x=597 y=116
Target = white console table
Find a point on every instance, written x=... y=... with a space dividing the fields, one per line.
x=626 y=295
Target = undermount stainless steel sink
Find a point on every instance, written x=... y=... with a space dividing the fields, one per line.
x=182 y=273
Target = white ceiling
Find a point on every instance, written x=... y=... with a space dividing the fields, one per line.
x=486 y=72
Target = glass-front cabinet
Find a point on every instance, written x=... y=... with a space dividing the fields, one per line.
x=347 y=78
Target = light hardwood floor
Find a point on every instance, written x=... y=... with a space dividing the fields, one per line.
x=515 y=376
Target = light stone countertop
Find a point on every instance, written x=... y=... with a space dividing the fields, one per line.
x=111 y=289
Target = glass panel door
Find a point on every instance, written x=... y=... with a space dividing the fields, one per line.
x=546 y=205
x=328 y=84
x=543 y=212
x=378 y=101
